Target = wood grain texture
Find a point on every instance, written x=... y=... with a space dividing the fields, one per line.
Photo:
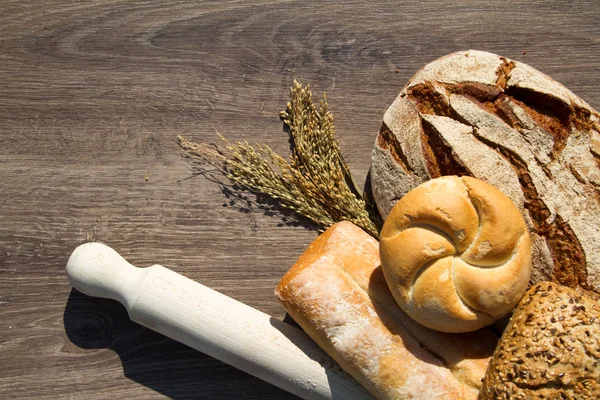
x=92 y=95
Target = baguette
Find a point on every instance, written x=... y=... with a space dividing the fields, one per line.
x=337 y=293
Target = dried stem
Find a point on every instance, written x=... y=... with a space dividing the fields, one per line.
x=316 y=182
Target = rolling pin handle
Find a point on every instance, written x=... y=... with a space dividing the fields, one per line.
x=97 y=270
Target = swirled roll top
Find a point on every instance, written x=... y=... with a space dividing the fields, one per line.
x=456 y=254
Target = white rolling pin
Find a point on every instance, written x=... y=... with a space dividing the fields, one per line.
x=212 y=323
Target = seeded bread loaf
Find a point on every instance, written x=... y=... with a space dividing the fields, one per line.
x=550 y=348
x=478 y=114
x=337 y=293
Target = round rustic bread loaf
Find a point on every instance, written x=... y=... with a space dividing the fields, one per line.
x=478 y=114
x=456 y=254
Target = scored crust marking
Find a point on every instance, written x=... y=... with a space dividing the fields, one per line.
x=431 y=227
x=576 y=174
x=544 y=218
x=428 y=99
x=433 y=252
x=549 y=113
x=595 y=146
x=472 y=65
x=437 y=253
x=386 y=140
x=440 y=158
x=554 y=116
x=540 y=141
x=569 y=257
x=483 y=248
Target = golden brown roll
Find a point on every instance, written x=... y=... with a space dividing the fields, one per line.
x=456 y=254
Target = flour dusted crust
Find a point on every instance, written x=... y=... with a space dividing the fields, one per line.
x=337 y=292
x=478 y=114
x=456 y=254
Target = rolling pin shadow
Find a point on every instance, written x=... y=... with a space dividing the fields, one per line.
x=148 y=358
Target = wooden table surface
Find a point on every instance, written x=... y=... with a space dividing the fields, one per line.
x=92 y=97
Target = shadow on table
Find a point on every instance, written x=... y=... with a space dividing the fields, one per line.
x=154 y=360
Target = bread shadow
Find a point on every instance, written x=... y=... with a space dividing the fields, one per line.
x=400 y=324
x=155 y=361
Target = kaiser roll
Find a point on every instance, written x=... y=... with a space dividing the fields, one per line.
x=456 y=254
x=478 y=114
